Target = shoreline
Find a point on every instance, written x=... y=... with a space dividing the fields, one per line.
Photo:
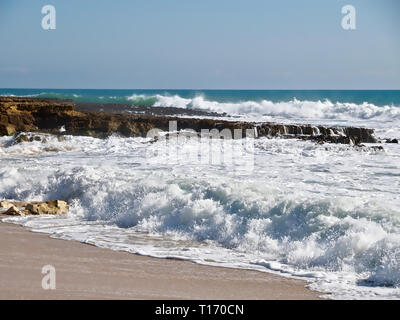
x=89 y=272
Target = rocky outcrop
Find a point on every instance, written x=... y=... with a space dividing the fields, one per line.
x=58 y=117
x=13 y=211
x=21 y=137
x=34 y=208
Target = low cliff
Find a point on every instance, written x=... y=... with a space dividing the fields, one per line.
x=49 y=116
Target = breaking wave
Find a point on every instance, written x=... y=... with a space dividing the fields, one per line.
x=333 y=218
x=292 y=109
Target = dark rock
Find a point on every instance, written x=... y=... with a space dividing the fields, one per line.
x=13 y=211
x=21 y=138
x=377 y=148
x=7 y=129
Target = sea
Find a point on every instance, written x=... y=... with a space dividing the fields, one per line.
x=325 y=213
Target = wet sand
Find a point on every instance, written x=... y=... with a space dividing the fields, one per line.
x=87 y=272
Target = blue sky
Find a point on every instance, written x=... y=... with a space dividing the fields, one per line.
x=207 y=44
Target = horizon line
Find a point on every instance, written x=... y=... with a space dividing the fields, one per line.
x=193 y=89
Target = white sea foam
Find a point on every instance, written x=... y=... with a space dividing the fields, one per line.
x=385 y=119
x=288 y=109
x=329 y=214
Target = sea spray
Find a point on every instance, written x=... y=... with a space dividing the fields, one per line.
x=328 y=214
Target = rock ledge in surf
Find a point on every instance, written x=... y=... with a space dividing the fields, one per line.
x=20 y=114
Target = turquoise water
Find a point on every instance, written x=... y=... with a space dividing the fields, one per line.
x=149 y=97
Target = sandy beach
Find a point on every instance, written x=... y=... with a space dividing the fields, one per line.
x=88 y=272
